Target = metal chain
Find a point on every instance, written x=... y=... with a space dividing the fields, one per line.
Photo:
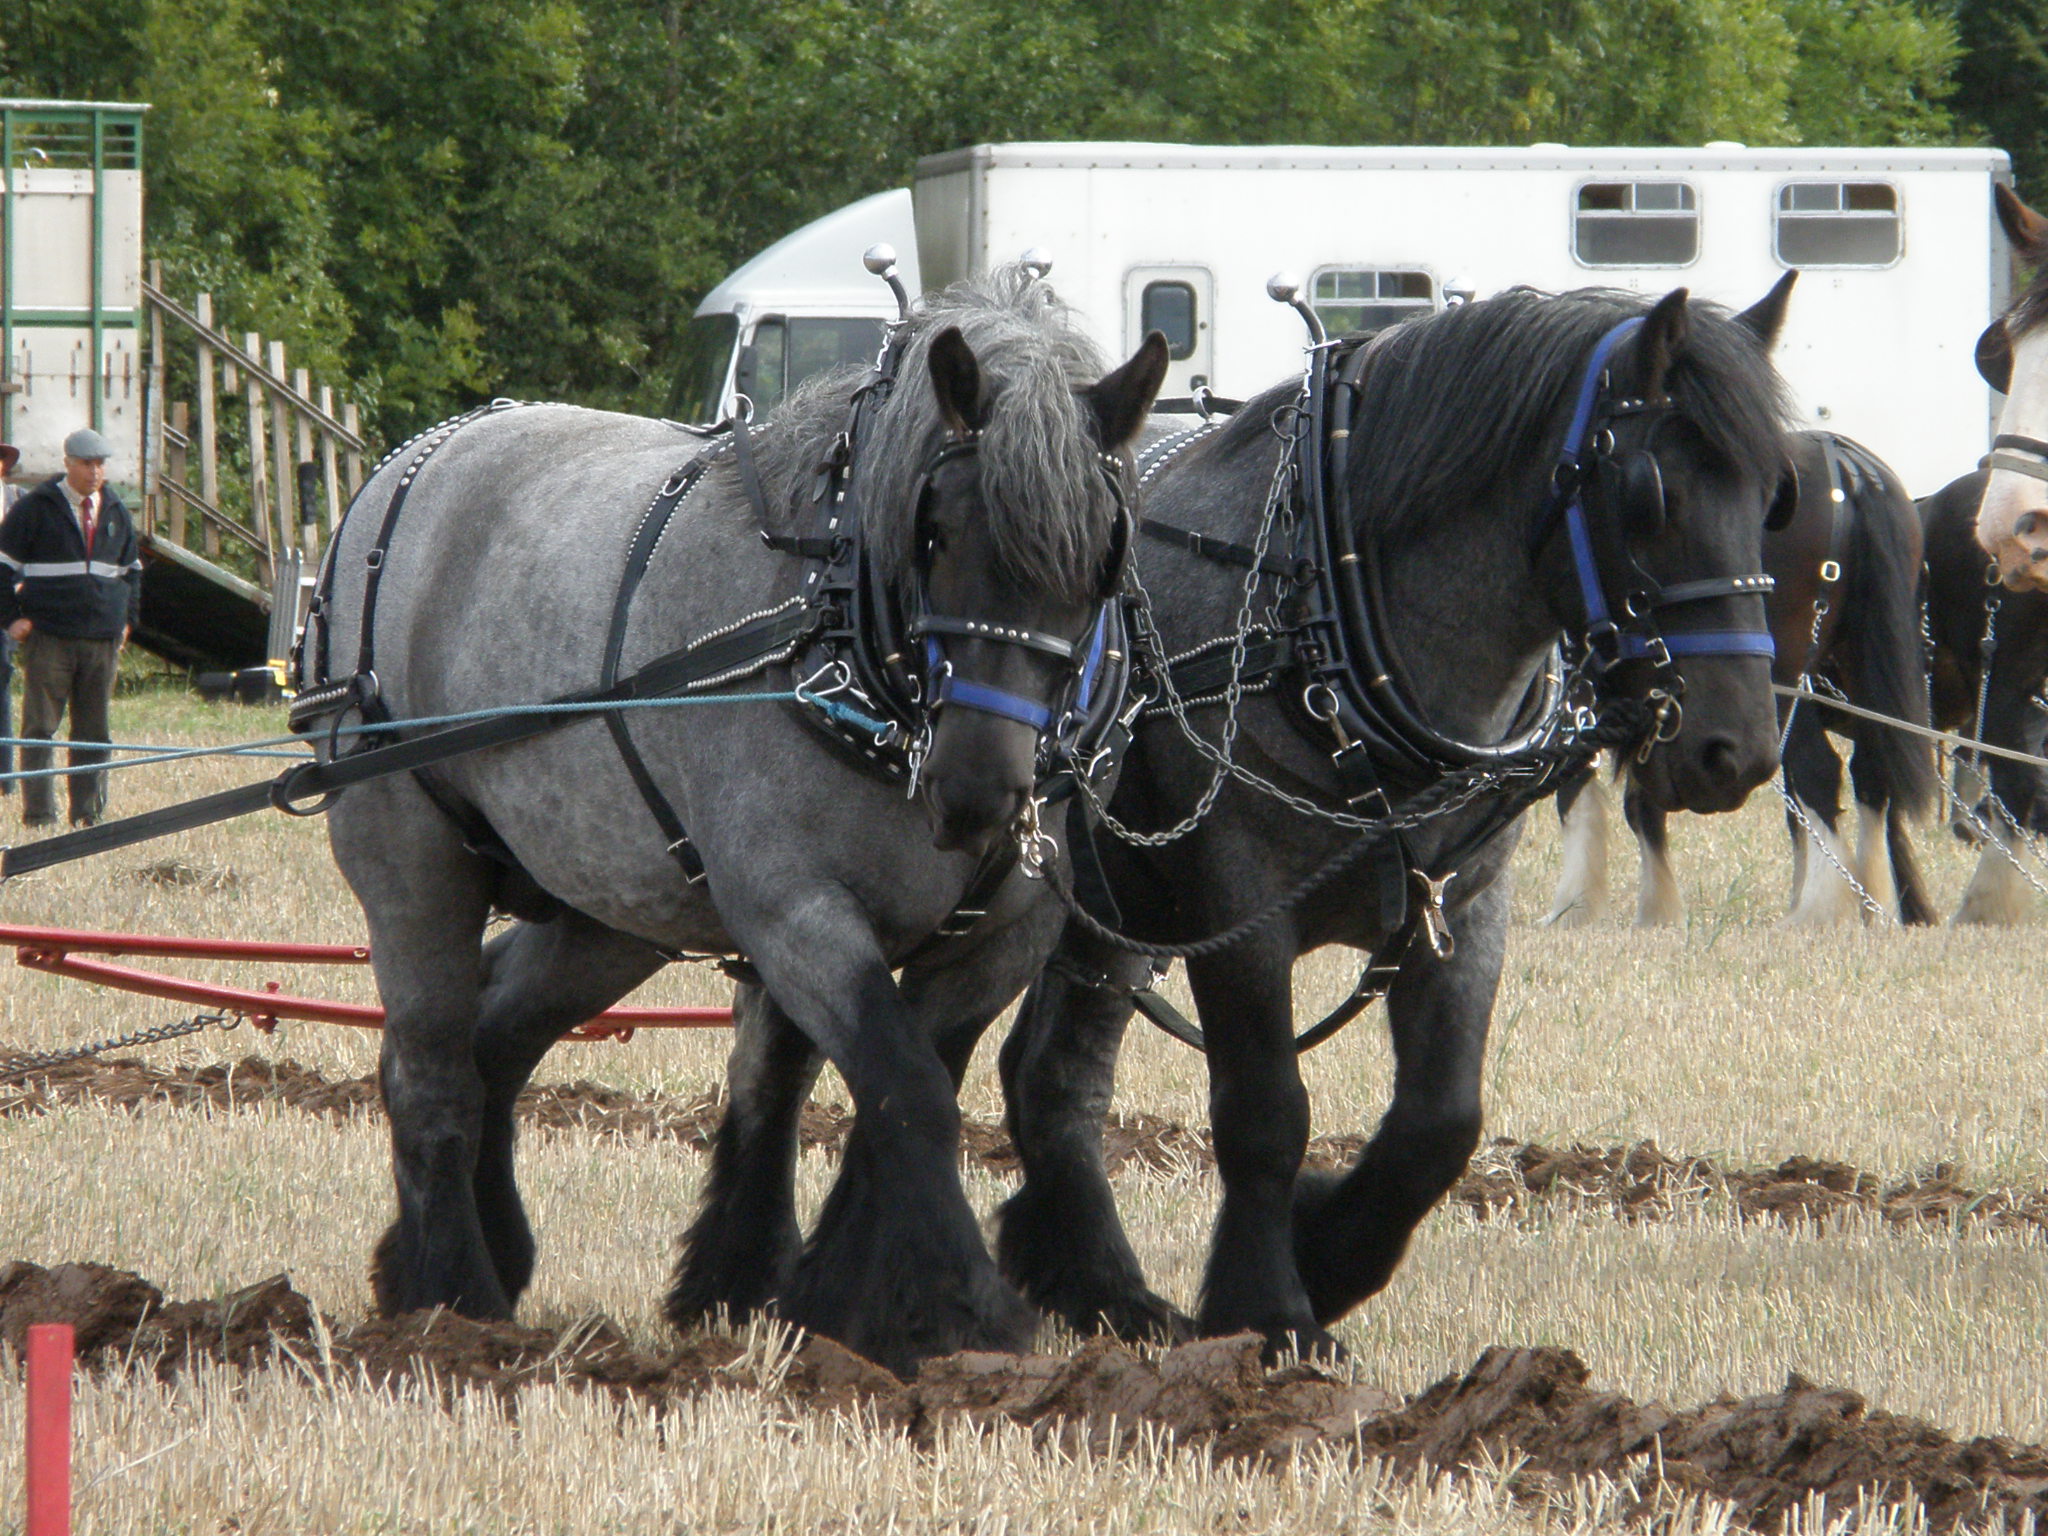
x=1534 y=774
x=1870 y=902
x=1148 y=639
x=15 y=1065
x=1989 y=835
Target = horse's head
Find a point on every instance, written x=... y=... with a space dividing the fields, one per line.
x=1023 y=526
x=2012 y=355
x=1682 y=466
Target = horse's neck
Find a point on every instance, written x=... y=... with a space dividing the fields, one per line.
x=1467 y=625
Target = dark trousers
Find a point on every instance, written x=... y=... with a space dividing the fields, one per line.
x=6 y=710
x=60 y=674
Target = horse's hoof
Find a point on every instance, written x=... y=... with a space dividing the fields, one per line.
x=1138 y=1316
x=1310 y=1345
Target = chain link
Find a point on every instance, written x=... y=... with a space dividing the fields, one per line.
x=16 y=1065
x=1149 y=641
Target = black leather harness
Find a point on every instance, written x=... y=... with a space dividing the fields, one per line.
x=1331 y=642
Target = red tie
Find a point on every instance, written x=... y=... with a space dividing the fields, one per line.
x=85 y=516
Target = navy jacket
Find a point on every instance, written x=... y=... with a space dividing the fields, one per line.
x=63 y=591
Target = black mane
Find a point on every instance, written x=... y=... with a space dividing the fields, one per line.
x=1458 y=405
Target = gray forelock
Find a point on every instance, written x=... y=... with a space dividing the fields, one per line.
x=1050 y=519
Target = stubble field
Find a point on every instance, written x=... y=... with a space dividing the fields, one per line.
x=1915 y=1059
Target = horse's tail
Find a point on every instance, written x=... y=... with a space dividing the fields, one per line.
x=1889 y=665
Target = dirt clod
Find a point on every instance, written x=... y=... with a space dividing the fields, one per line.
x=1507 y=1180
x=1530 y=1408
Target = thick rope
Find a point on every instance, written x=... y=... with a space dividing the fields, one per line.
x=256 y=747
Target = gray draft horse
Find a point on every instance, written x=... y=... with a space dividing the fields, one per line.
x=498 y=587
x=1454 y=453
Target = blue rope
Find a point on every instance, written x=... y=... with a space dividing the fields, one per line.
x=259 y=747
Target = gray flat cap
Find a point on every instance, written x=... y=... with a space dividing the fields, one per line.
x=87 y=444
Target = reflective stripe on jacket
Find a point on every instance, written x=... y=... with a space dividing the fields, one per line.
x=64 y=589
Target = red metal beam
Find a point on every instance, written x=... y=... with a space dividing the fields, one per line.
x=50 y=950
x=94 y=942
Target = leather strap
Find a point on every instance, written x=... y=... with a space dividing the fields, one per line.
x=667 y=675
x=1225 y=551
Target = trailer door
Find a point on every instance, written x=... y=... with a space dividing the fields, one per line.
x=1178 y=301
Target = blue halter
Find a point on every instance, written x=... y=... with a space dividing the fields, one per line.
x=1633 y=638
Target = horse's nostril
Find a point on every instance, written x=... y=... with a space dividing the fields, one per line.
x=1720 y=755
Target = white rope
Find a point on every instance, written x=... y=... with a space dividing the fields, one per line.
x=1950 y=737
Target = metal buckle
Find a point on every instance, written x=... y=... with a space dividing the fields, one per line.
x=1035 y=849
x=1831 y=570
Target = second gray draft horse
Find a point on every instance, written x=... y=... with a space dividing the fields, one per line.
x=992 y=490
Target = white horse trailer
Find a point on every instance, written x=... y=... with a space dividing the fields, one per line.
x=1903 y=262
x=71 y=281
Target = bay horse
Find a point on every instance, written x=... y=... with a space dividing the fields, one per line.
x=1845 y=613
x=2012 y=355
x=1488 y=477
x=1989 y=589
x=1988 y=655
x=542 y=549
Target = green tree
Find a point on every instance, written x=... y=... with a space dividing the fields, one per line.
x=2002 y=83
x=1872 y=71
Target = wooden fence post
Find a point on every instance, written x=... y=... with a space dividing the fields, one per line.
x=260 y=499
x=176 y=457
x=209 y=428
x=327 y=464
x=281 y=453
x=309 y=517
x=352 y=419
x=153 y=417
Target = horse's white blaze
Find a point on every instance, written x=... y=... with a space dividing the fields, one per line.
x=2012 y=520
x=1658 y=903
x=1582 y=885
x=1997 y=894
x=1820 y=894
x=1873 y=864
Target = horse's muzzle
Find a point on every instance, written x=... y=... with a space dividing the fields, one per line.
x=966 y=816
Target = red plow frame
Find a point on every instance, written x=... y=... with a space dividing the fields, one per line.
x=57 y=951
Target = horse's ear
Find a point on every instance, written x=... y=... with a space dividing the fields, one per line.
x=2023 y=227
x=1121 y=400
x=956 y=380
x=1664 y=332
x=1766 y=317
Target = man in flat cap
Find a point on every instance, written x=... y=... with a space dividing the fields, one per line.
x=70 y=544
x=9 y=494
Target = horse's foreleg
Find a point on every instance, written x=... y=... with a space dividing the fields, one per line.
x=1351 y=1230
x=1813 y=775
x=1059 y=1236
x=1916 y=907
x=741 y=1250
x=1658 y=900
x=1259 y=1115
x=896 y=1267
x=426 y=898
x=540 y=981
x=1581 y=897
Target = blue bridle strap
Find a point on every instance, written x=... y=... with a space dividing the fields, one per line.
x=991 y=701
x=1630 y=644
x=1701 y=642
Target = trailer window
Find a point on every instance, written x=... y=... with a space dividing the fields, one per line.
x=758 y=374
x=1360 y=301
x=700 y=378
x=1837 y=224
x=1169 y=308
x=820 y=344
x=1636 y=224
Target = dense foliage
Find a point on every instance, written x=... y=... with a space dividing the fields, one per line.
x=439 y=199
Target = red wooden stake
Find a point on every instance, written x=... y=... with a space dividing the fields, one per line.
x=50 y=1348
